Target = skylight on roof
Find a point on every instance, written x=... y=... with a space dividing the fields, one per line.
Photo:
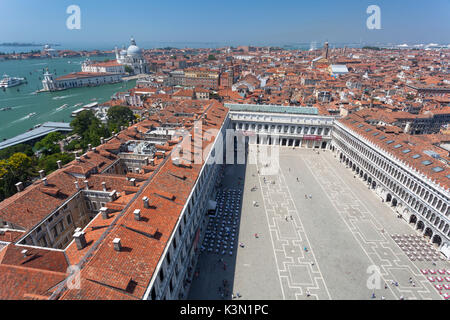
x=368 y=130
x=426 y=162
x=406 y=151
x=360 y=125
x=397 y=146
x=382 y=137
x=437 y=169
x=448 y=176
x=390 y=141
x=416 y=156
x=375 y=134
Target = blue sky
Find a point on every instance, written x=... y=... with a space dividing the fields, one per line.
x=236 y=22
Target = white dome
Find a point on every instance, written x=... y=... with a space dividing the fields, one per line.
x=134 y=51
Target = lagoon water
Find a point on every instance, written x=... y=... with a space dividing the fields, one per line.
x=24 y=101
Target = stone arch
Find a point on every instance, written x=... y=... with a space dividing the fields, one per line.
x=437 y=240
x=428 y=233
x=420 y=226
x=388 y=197
x=394 y=202
x=413 y=219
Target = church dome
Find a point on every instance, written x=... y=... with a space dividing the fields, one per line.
x=134 y=50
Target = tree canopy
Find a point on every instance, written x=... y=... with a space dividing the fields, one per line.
x=119 y=116
x=49 y=144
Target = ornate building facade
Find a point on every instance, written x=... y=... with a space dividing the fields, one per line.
x=133 y=58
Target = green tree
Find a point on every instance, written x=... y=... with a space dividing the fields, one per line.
x=212 y=57
x=129 y=69
x=50 y=144
x=48 y=163
x=89 y=128
x=16 y=168
x=119 y=116
x=23 y=148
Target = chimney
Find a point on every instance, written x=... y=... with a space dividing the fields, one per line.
x=59 y=163
x=19 y=186
x=104 y=186
x=117 y=244
x=136 y=170
x=90 y=147
x=137 y=214
x=44 y=180
x=77 y=185
x=78 y=159
x=121 y=128
x=24 y=252
x=80 y=239
x=146 y=205
x=133 y=182
x=42 y=174
x=104 y=212
x=87 y=184
x=77 y=230
x=102 y=140
x=94 y=149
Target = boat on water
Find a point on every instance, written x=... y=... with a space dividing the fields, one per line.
x=8 y=82
x=78 y=104
x=5 y=109
x=30 y=115
x=62 y=107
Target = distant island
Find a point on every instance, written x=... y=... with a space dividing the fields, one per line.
x=24 y=44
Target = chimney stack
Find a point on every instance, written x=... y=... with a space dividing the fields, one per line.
x=78 y=159
x=102 y=140
x=87 y=184
x=80 y=239
x=77 y=185
x=90 y=147
x=42 y=174
x=146 y=205
x=121 y=128
x=137 y=214
x=117 y=244
x=104 y=212
x=94 y=149
x=133 y=182
x=59 y=163
x=104 y=186
x=44 y=180
x=24 y=252
x=19 y=186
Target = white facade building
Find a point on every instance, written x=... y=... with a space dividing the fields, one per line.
x=414 y=197
x=102 y=67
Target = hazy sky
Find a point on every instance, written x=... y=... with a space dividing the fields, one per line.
x=241 y=22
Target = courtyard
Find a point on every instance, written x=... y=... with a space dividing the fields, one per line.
x=313 y=231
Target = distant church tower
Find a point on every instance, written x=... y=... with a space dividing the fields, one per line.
x=325 y=51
